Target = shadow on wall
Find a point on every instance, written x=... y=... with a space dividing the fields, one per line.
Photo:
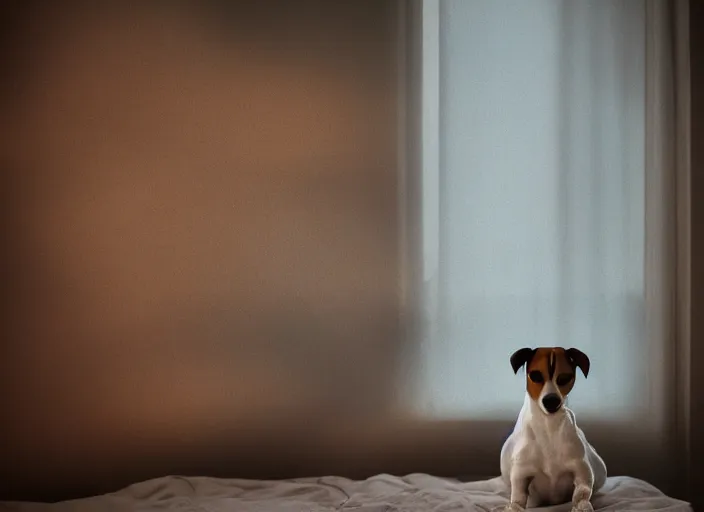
x=202 y=235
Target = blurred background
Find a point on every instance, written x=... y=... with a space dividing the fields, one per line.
x=287 y=238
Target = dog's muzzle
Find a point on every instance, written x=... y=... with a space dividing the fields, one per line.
x=552 y=402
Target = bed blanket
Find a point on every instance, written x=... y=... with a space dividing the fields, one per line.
x=381 y=493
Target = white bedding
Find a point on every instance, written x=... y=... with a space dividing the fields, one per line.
x=382 y=493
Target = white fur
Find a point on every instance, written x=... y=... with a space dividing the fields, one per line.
x=547 y=460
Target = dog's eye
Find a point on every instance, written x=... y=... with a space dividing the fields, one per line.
x=536 y=376
x=564 y=379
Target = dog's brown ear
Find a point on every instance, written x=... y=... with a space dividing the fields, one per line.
x=578 y=358
x=521 y=357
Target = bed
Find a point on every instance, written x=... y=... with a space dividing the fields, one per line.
x=381 y=493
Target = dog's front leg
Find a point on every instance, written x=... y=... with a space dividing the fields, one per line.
x=583 y=484
x=521 y=477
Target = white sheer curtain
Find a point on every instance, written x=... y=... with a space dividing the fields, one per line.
x=535 y=177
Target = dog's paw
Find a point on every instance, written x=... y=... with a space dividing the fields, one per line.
x=583 y=506
x=514 y=507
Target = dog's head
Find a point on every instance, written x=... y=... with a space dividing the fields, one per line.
x=550 y=373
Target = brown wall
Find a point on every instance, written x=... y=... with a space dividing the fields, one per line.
x=202 y=239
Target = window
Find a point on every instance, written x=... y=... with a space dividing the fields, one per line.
x=544 y=178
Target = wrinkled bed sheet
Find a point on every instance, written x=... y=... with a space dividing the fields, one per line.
x=382 y=493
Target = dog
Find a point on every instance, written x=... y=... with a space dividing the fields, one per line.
x=547 y=459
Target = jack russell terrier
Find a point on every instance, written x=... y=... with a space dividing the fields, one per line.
x=547 y=460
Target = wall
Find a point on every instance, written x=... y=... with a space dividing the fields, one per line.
x=202 y=239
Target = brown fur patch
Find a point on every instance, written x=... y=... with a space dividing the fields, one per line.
x=552 y=364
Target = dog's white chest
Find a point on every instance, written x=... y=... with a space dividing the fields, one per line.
x=552 y=481
x=544 y=451
x=551 y=448
x=548 y=449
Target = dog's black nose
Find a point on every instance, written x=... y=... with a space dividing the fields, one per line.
x=551 y=402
